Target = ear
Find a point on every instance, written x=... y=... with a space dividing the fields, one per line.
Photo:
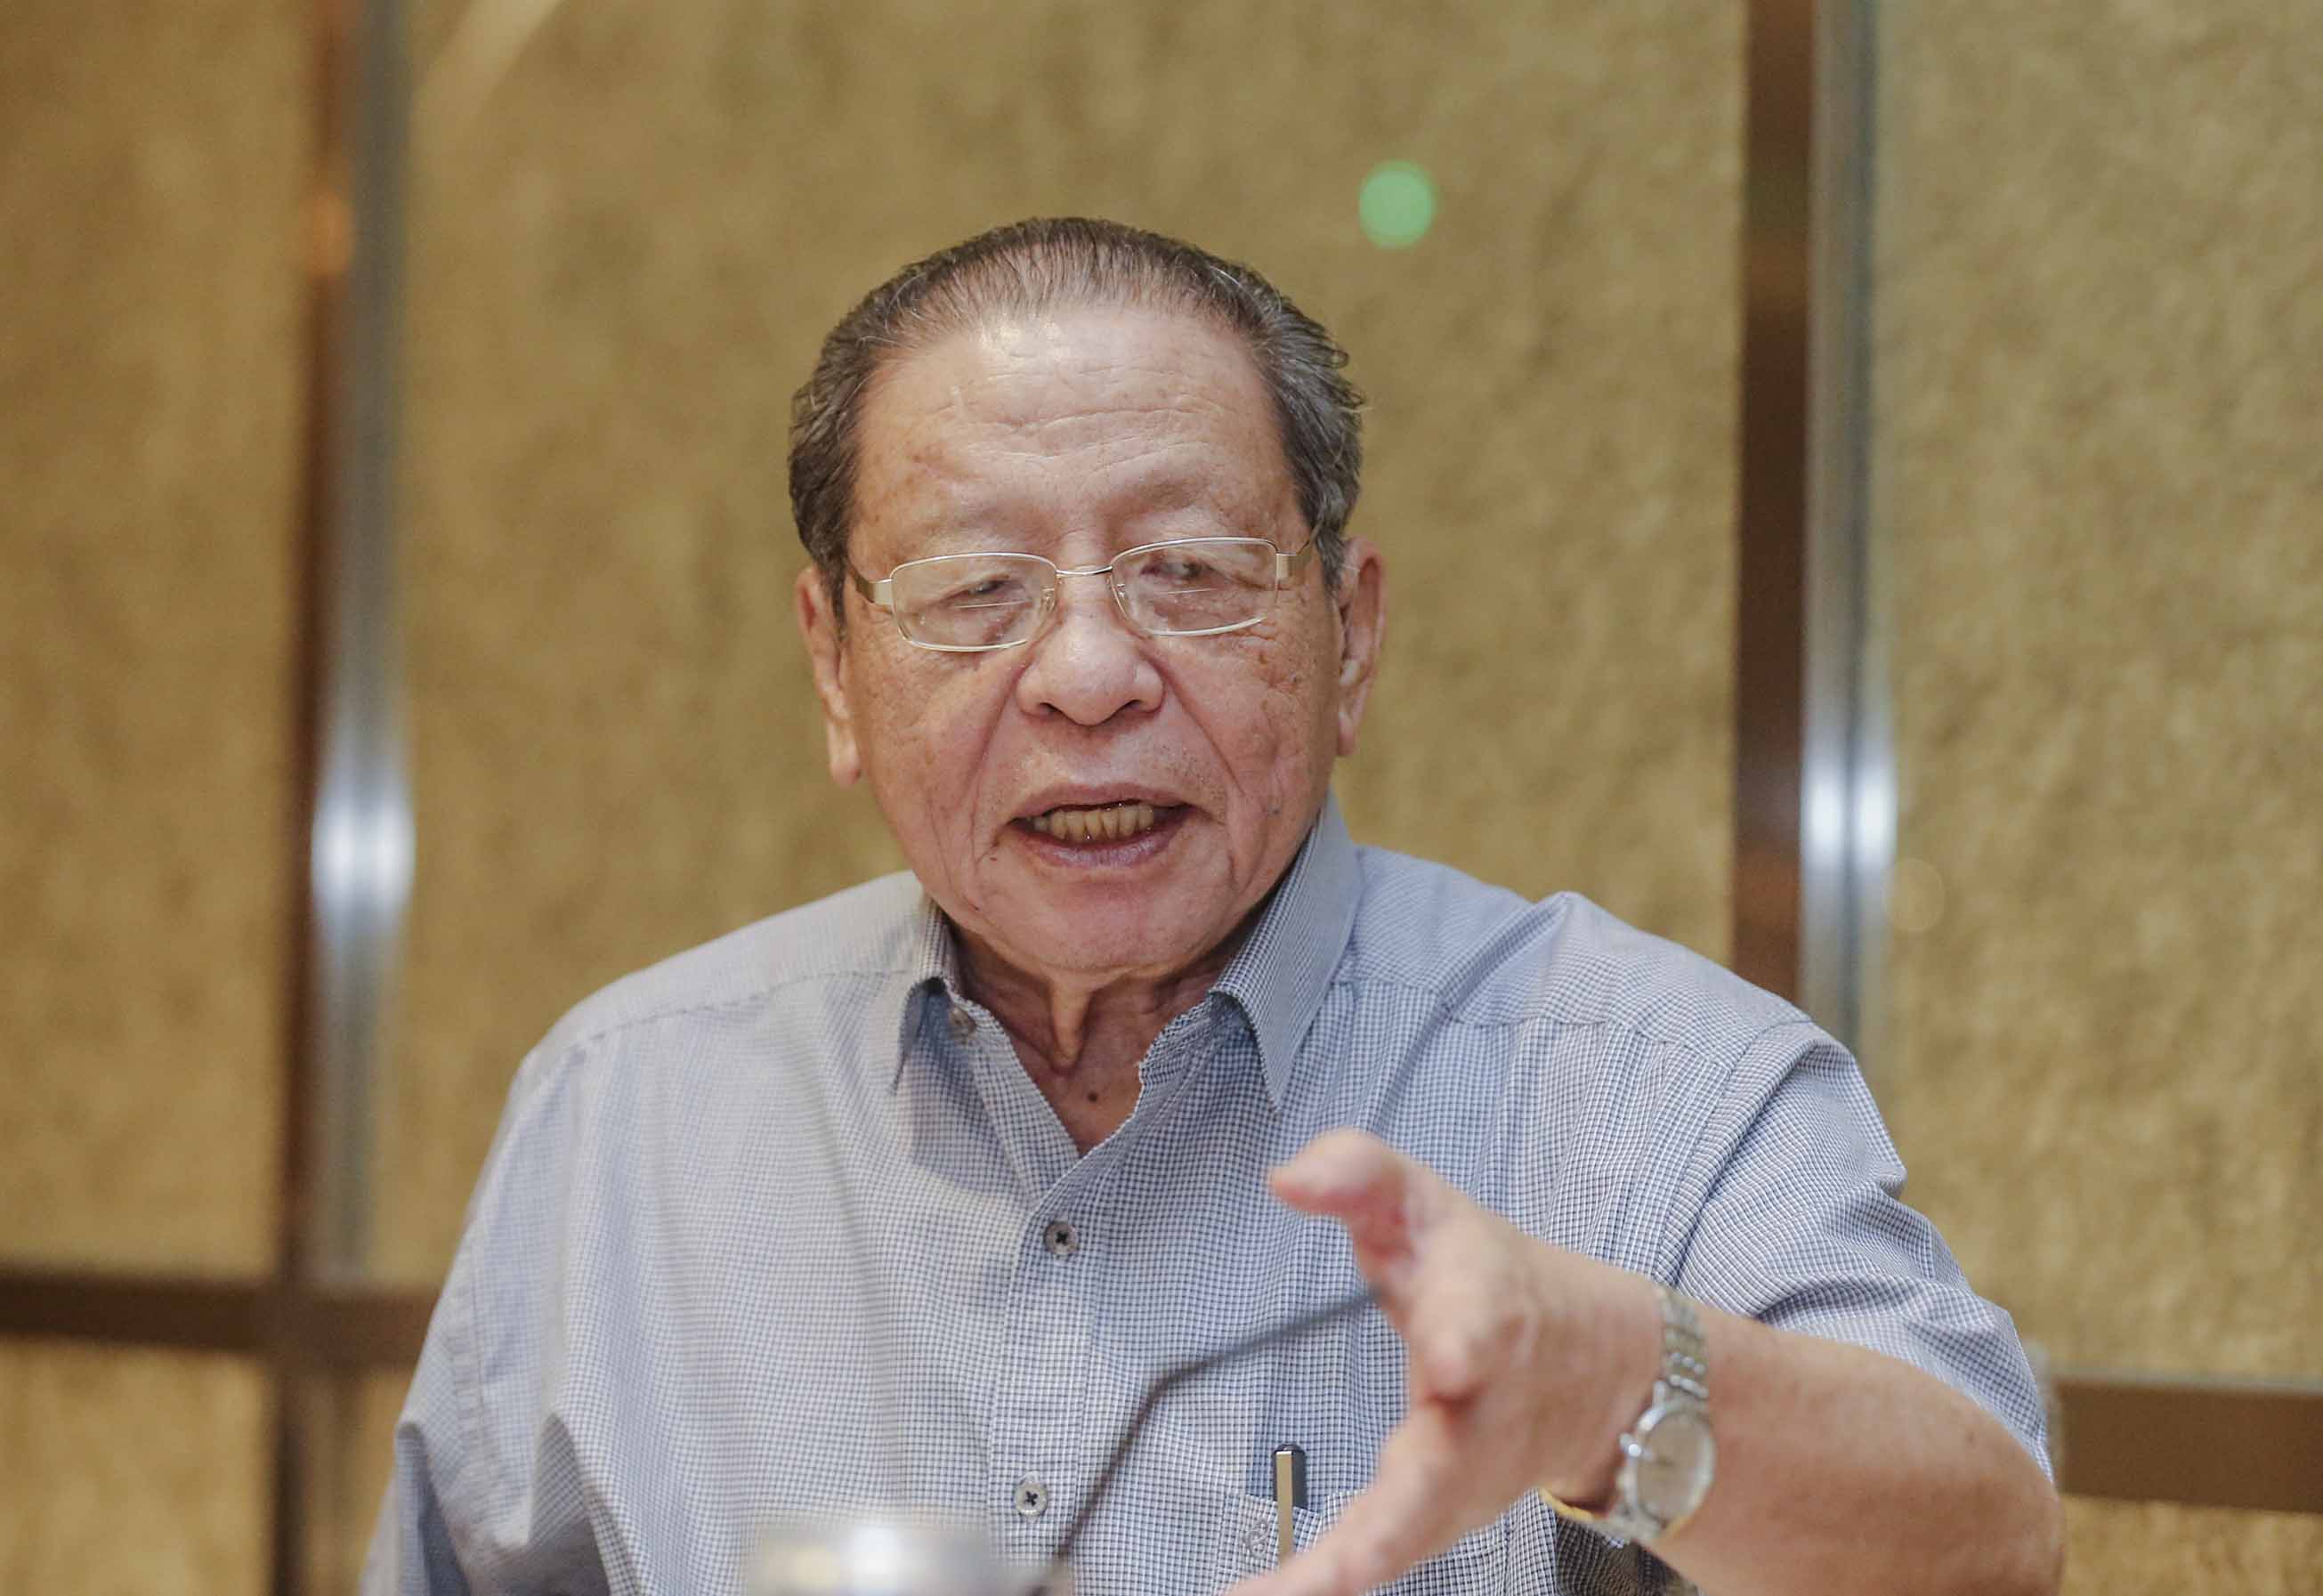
x=1363 y=628
x=826 y=651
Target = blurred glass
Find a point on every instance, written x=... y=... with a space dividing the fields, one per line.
x=884 y=1556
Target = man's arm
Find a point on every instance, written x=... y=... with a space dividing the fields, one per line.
x=456 y=1516
x=1838 y=1468
x=410 y=1548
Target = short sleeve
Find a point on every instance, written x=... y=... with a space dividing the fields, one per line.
x=1803 y=1229
x=484 y=1494
x=411 y=1552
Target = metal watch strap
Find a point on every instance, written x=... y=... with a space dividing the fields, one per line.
x=1685 y=1356
x=1684 y=1371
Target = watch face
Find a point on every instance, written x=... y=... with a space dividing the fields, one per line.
x=1674 y=1464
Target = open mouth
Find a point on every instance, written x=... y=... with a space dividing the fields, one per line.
x=1106 y=823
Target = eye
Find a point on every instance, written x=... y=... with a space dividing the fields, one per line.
x=976 y=589
x=1182 y=567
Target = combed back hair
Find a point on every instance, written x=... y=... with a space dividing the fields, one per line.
x=1030 y=268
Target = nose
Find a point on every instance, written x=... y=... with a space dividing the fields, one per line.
x=1087 y=664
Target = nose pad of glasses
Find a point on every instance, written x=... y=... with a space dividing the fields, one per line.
x=1044 y=610
x=1125 y=606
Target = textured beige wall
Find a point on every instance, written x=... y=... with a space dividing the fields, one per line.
x=2099 y=473
x=147 y=445
x=619 y=271
x=356 y=1455
x=2155 y=1549
x=131 y=1470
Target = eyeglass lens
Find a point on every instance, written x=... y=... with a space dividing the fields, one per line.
x=1206 y=584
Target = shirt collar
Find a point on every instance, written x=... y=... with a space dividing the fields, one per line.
x=1280 y=976
x=931 y=977
x=1277 y=977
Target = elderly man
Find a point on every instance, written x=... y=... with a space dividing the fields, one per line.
x=901 y=1199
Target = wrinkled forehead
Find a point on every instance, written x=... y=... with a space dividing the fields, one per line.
x=1034 y=367
x=1150 y=408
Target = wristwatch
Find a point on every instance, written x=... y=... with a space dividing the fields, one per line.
x=1668 y=1455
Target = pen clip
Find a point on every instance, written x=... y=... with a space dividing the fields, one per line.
x=1290 y=1493
x=1291 y=1475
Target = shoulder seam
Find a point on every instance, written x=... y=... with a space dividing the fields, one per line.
x=1560 y=1022
x=1710 y=1123
x=735 y=1000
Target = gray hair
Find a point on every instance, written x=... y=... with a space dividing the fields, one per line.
x=1030 y=267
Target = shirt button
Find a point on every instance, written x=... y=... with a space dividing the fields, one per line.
x=963 y=1024
x=1031 y=1497
x=1060 y=1238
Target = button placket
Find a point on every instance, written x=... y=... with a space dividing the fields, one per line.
x=1043 y=1372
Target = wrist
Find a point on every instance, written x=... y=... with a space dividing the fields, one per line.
x=1625 y=1363
x=1668 y=1457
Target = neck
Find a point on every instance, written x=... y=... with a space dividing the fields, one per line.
x=1082 y=1036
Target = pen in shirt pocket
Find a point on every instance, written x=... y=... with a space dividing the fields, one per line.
x=1290 y=1493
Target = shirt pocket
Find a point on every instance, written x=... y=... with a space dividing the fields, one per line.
x=1475 y=1564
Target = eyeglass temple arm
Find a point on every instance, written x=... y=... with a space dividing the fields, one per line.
x=1356 y=1302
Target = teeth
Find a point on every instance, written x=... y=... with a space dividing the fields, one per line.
x=1110 y=823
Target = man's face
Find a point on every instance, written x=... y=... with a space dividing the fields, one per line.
x=1077 y=435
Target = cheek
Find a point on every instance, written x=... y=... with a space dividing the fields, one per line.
x=924 y=735
x=1282 y=732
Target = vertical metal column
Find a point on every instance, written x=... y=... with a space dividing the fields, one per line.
x=1848 y=819
x=361 y=839
x=1815 y=791
x=353 y=856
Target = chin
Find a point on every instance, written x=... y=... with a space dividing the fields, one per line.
x=1099 y=952
x=1095 y=945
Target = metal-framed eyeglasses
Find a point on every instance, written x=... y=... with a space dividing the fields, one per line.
x=1188 y=587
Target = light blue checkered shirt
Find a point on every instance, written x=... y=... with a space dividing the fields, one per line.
x=780 y=1225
